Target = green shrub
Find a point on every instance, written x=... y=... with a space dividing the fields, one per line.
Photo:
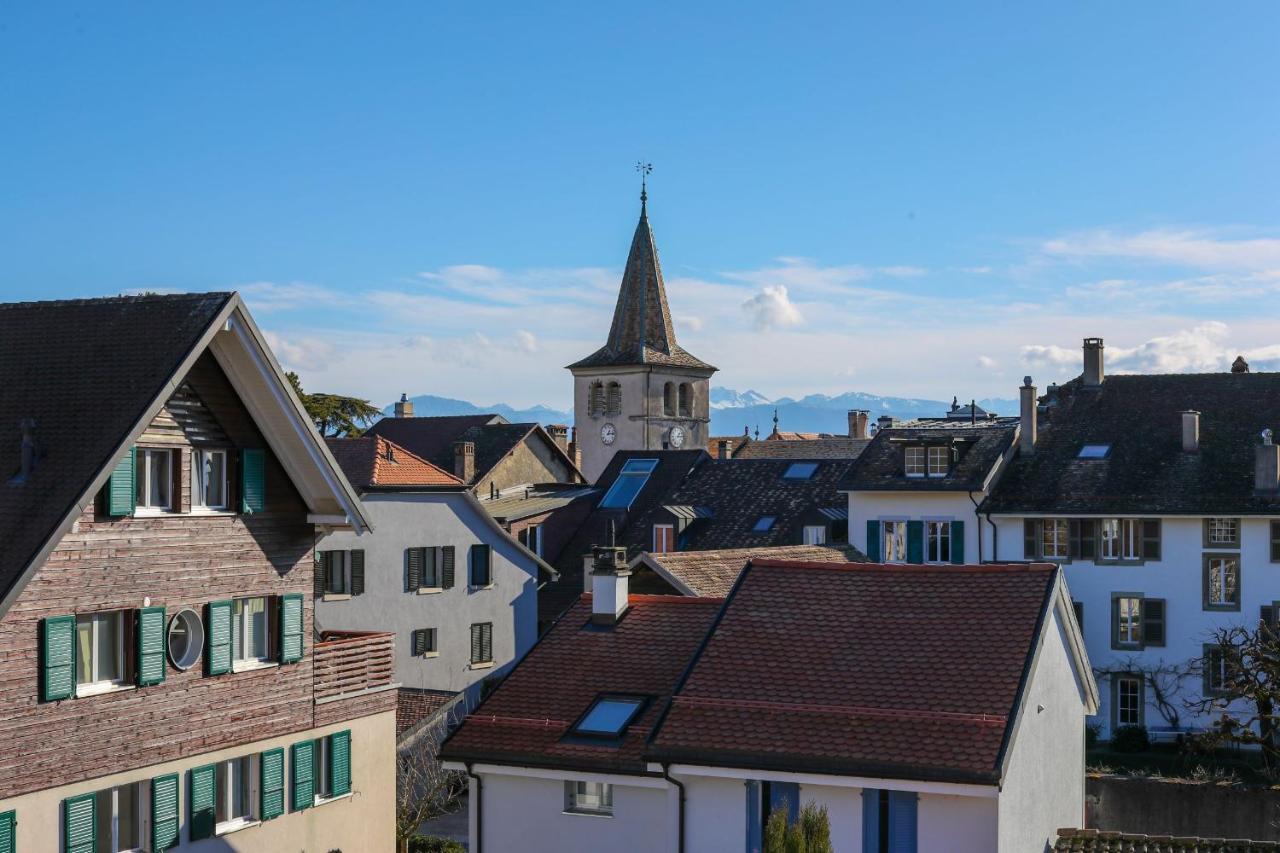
x=434 y=844
x=817 y=828
x=1091 y=735
x=775 y=832
x=1130 y=739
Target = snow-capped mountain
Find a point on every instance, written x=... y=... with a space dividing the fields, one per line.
x=727 y=398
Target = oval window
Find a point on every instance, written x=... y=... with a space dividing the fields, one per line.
x=186 y=638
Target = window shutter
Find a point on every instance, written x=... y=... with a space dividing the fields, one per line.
x=1151 y=539
x=755 y=828
x=446 y=566
x=1073 y=537
x=475 y=643
x=253 y=464
x=870 y=819
x=486 y=641
x=479 y=560
x=121 y=487
x=1275 y=541
x=271 y=787
x=151 y=646
x=873 y=541
x=357 y=572
x=202 y=794
x=415 y=560
x=915 y=541
x=217 y=637
x=902 y=821
x=340 y=762
x=8 y=831
x=1115 y=622
x=785 y=795
x=322 y=574
x=303 y=790
x=957 y=541
x=1088 y=538
x=57 y=658
x=164 y=812
x=80 y=824
x=1153 y=621
x=419 y=642
x=291 y=641
x=1030 y=539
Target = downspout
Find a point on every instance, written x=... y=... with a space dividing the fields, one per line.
x=994 y=540
x=666 y=774
x=479 y=845
x=978 y=518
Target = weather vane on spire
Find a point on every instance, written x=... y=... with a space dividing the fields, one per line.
x=644 y=169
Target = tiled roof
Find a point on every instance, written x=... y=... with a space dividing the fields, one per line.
x=1097 y=841
x=535 y=500
x=980 y=447
x=642 y=332
x=736 y=443
x=777 y=435
x=526 y=718
x=887 y=671
x=413 y=705
x=433 y=438
x=86 y=371
x=714 y=572
x=1146 y=470
x=377 y=461
x=830 y=447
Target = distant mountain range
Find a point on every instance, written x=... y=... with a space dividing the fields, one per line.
x=732 y=410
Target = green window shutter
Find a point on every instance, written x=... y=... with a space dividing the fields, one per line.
x=1030 y=539
x=121 y=488
x=217 y=637
x=150 y=636
x=357 y=572
x=302 y=793
x=57 y=658
x=915 y=541
x=873 y=541
x=291 y=640
x=446 y=567
x=8 y=832
x=414 y=563
x=202 y=795
x=164 y=812
x=80 y=824
x=957 y=541
x=1153 y=630
x=340 y=762
x=271 y=787
x=253 y=464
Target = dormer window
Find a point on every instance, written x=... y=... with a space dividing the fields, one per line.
x=609 y=716
x=939 y=461
x=913 y=461
x=800 y=470
x=1094 y=451
x=764 y=524
x=631 y=479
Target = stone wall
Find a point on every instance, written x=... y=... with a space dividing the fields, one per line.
x=1161 y=807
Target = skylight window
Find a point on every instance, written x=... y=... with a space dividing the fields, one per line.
x=800 y=470
x=1094 y=451
x=764 y=523
x=635 y=473
x=608 y=716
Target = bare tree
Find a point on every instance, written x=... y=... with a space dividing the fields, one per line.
x=424 y=789
x=1241 y=669
x=1163 y=682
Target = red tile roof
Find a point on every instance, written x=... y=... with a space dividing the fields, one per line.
x=376 y=461
x=526 y=718
x=413 y=705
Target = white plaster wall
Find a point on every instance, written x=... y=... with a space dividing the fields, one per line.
x=1043 y=788
x=954 y=506
x=715 y=815
x=953 y=824
x=405 y=520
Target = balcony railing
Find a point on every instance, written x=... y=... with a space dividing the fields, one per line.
x=348 y=663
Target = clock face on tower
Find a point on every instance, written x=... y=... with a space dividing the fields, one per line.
x=608 y=433
x=676 y=437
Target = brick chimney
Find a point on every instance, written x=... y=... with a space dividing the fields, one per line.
x=858 y=419
x=1190 y=431
x=560 y=435
x=1094 y=373
x=573 y=447
x=1028 y=414
x=609 y=574
x=722 y=449
x=404 y=409
x=1266 y=465
x=464 y=460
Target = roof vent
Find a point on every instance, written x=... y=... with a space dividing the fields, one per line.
x=1266 y=468
x=1239 y=365
x=1190 y=431
x=30 y=451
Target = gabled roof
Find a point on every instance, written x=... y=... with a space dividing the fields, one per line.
x=535 y=500
x=642 y=332
x=92 y=373
x=526 y=719
x=715 y=572
x=980 y=446
x=1146 y=470
x=829 y=447
x=379 y=462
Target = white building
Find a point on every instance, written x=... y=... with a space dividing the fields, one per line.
x=932 y=710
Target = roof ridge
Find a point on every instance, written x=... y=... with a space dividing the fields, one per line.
x=906 y=568
x=851 y=710
x=123 y=297
x=655 y=598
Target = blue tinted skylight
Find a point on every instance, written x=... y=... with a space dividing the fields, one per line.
x=800 y=470
x=765 y=523
x=609 y=715
x=635 y=473
x=1094 y=451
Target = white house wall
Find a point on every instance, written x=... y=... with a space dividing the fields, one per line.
x=916 y=506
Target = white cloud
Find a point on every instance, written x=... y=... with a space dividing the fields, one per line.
x=986 y=362
x=1182 y=247
x=771 y=308
x=976 y=270
x=1200 y=348
x=300 y=353
x=903 y=271
x=265 y=297
x=689 y=321
x=526 y=341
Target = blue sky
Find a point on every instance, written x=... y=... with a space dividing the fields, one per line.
x=913 y=199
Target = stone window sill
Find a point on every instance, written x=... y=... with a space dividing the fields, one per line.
x=336 y=596
x=101 y=688
x=230 y=826
x=584 y=813
x=482 y=586
x=320 y=801
x=482 y=665
x=429 y=655
x=253 y=665
x=430 y=590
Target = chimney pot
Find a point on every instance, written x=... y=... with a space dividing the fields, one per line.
x=1094 y=372
x=1190 y=431
x=609 y=584
x=1028 y=417
x=404 y=408
x=858 y=419
x=560 y=435
x=464 y=460
x=722 y=449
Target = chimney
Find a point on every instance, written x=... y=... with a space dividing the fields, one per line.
x=1239 y=365
x=609 y=583
x=1027 y=411
x=560 y=435
x=884 y=422
x=573 y=447
x=464 y=460
x=1190 y=431
x=1266 y=466
x=858 y=423
x=404 y=409
x=722 y=449
x=1093 y=369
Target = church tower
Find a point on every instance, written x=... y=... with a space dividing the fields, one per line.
x=640 y=391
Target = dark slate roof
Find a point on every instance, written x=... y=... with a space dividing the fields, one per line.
x=1146 y=470
x=86 y=370
x=526 y=718
x=536 y=500
x=981 y=445
x=901 y=676
x=1101 y=841
x=642 y=332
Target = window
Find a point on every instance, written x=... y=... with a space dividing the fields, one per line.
x=669 y=399
x=939 y=461
x=635 y=473
x=937 y=542
x=1128 y=693
x=252 y=630
x=426 y=567
x=609 y=716
x=588 y=798
x=424 y=642
x=1215 y=671
x=889 y=821
x=480 y=557
x=913 y=461
x=481 y=643
x=331 y=766
x=209 y=479
x=686 y=400
x=1128 y=621
x=763 y=524
x=595 y=399
x=1137 y=622
x=531 y=538
x=1120 y=539
x=100 y=651
x=235 y=792
x=186 y=639
x=336 y=568
x=1054 y=538
x=153 y=479
x=1221 y=582
x=894 y=545
x=119 y=814
x=1222 y=532
x=1094 y=451
x=815 y=534
x=664 y=538
x=613 y=399
x=800 y=470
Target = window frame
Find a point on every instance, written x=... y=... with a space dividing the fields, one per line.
x=886 y=524
x=1135 y=621
x=1207 y=655
x=1208 y=561
x=943 y=526
x=815 y=532
x=481 y=664
x=223 y=794
x=96 y=684
x=761 y=526
x=629 y=476
x=667 y=539
x=1117 y=686
x=571 y=798
x=530 y=536
x=641 y=703
x=1209 y=525
x=800 y=471
x=485 y=582
x=1094 y=450
x=943 y=452
x=431 y=648
x=910 y=467
x=1125 y=547
x=327 y=560
x=199 y=486
x=1061 y=543
x=142 y=484
x=272 y=639
x=141 y=817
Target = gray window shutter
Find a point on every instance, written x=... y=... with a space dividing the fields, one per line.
x=1030 y=539
x=1153 y=628
x=419 y=642
x=414 y=560
x=479 y=559
x=150 y=637
x=357 y=572
x=1275 y=541
x=446 y=566
x=1088 y=538
x=1078 y=607
x=957 y=542
x=322 y=573
x=1151 y=539
x=1115 y=622
x=486 y=641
